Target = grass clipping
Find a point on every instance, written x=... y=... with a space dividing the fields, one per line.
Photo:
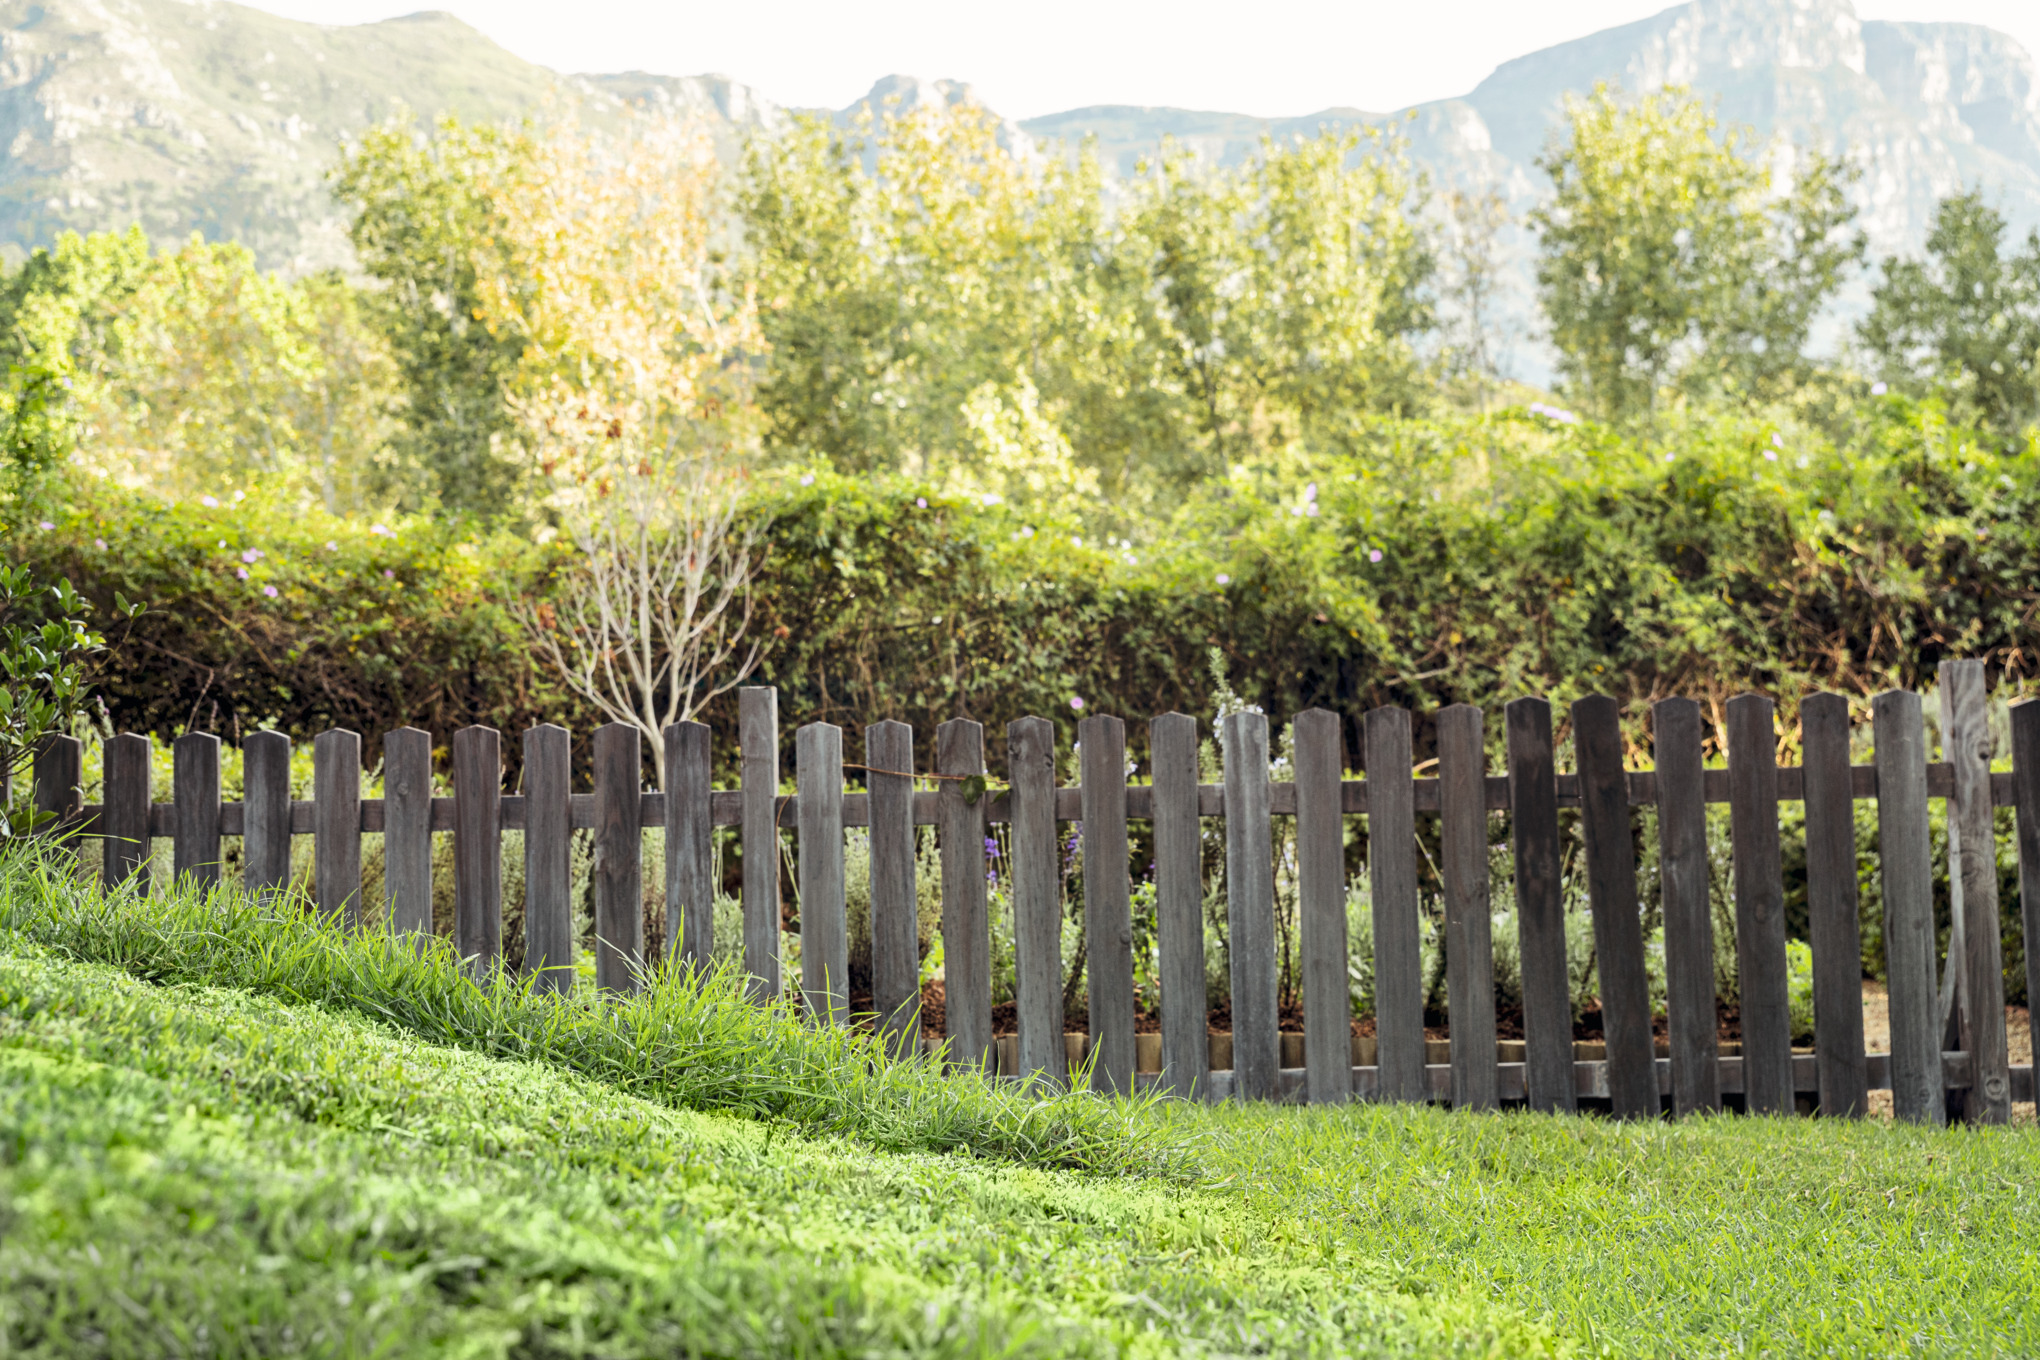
x=690 y=1043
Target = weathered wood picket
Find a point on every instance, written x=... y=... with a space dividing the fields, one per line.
x=1961 y=1002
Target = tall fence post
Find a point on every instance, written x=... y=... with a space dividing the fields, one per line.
x=2026 y=804
x=824 y=934
x=1037 y=899
x=690 y=846
x=1832 y=906
x=1689 y=920
x=1392 y=878
x=1179 y=906
x=1762 y=989
x=59 y=781
x=1250 y=907
x=1469 y=946
x=1906 y=874
x=548 y=851
x=1321 y=904
x=966 y=920
x=1540 y=907
x=758 y=739
x=618 y=872
x=895 y=908
x=477 y=846
x=407 y=831
x=195 y=795
x=124 y=820
x=336 y=825
x=1108 y=909
x=265 y=812
x=1972 y=846
x=1611 y=891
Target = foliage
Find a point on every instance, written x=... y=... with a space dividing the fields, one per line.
x=46 y=651
x=1669 y=259
x=1966 y=320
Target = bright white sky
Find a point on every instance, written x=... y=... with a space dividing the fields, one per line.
x=1273 y=58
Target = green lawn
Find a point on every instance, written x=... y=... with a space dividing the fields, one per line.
x=354 y=1151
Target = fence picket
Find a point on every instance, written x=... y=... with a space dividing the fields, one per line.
x=407 y=831
x=1321 y=904
x=966 y=920
x=336 y=824
x=618 y=873
x=265 y=812
x=1906 y=873
x=1392 y=879
x=824 y=932
x=1831 y=906
x=690 y=845
x=895 y=921
x=548 y=863
x=1108 y=911
x=1179 y=905
x=758 y=739
x=1972 y=848
x=1250 y=907
x=195 y=795
x=1762 y=987
x=2026 y=810
x=1469 y=946
x=127 y=765
x=1683 y=893
x=59 y=775
x=477 y=846
x=1036 y=869
x=1611 y=890
x=1540 y=907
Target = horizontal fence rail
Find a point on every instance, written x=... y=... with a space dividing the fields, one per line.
x=1948 y=1050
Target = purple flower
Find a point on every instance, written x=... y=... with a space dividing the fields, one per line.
x=209 y=502
x=991 y=848
x=99 y=543
x=1878 y=389
x=1777 y=440
x=45 y=524
x=252 y=556
x=1374 y=554
x=381 y=529
x=389 y=575
x=807 y=479
x=1770 y=456
x=241 y=572
x=1224 y=579
x=331 y=546
x=270 y=591
x=920 y=502
x=1076 y=703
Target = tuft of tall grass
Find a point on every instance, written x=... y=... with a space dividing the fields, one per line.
x=692 y=1043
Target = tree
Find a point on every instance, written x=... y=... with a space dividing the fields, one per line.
x=1472 y=284
x=1673 y=259
x=632 y=401
x=1966 y=318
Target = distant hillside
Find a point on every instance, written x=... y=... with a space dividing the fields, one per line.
x=221 y=119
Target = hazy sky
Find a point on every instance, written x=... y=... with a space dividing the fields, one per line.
x=1267 y=57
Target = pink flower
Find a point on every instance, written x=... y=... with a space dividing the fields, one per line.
x=331 y=546
x=209 y=502
x=45 y=524
x=241 y=572
x=252 y=556
x=1076 y=703
x=380 y=529
x=270 y=591
x=1224 y=579
x=1878 y=389
x=807 y=479
x=389 y=575
x=920 y=502
x=99 y=543
x=1374 y=554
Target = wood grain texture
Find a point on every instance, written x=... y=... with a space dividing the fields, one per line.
x=1250 y=906
x=824 y=929
x=1463 y=864
x=1966 y=743
x=195 y=794
x=2026 y=814
x=1321 y=907
x=477 y=847
x=1763 y=990
x=1035 y=845
x=1905 y=872
x=1832 y=906
x=758 y=738
x=59 y=782
x=690 y=844
x=1392 y=880
x=966 y=918
x=1678 y=730
x=1108 y=911
x=125 y=821
x=1611 y=893
x=548 y=858
x=1179 y=905
x=336 y=825
x=617 y=875
x=895 y=921
x=1540 y=906
x=407 y=831
x=265 y=812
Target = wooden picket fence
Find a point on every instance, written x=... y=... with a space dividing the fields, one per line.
x=1948 y=1045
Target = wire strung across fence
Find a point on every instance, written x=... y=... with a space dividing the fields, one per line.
x=1948 y=1047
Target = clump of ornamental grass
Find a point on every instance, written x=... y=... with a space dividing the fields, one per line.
x=689 y=1042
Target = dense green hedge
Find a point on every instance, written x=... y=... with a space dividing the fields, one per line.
x=1452 y=561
